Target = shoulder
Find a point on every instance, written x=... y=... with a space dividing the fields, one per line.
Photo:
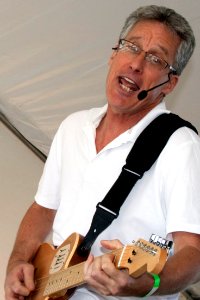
x=182 y=148
x=72 y=126
x=184 y=136
x=80 y=118
x=72 y=119
x=179 y=131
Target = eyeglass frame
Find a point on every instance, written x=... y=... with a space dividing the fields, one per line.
x=172 y=69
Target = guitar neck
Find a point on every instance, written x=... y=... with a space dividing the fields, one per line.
x=71 y=277
x=65 y=279
x=137 y=259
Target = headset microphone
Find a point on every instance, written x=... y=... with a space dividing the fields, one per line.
x=142 y=95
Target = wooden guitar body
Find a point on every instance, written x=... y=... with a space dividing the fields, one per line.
x=49 y=260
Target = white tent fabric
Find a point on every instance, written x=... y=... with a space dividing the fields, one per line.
x=54 y=55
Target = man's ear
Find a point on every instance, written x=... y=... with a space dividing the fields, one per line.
x=171 y=84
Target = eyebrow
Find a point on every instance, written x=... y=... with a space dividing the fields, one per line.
x=154 y=50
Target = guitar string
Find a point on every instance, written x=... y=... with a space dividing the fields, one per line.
x=42 y=282
x=46 y=278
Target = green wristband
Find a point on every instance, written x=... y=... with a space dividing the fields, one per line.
x=156 y=284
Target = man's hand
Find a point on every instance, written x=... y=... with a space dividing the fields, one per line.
x=33 y=230
x=102 y=275
x=19 y=282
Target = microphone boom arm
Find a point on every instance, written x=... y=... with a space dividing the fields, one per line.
x=144 y=93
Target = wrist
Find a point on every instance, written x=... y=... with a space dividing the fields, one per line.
x=156 y=284
x=14 y=263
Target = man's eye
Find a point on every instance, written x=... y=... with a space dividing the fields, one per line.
x=155 y=60
x=130 y=48
x=134 y=48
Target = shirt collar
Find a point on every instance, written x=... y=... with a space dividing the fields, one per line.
x=96 y=115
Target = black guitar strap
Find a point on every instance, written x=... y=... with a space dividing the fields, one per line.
x=143 y=154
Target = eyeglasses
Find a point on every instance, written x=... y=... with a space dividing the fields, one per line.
x=156 y=62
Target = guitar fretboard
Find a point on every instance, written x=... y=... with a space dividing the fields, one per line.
x=66 y=279
x=139 y=258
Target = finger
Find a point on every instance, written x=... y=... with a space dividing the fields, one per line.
x=111 y=244
x=19 y=289
x=97 y=269
x=118 y=279
x=88 y=263
x=29 y=277
x=22 y=282
x=93 y=269
x=99 y=274
x=107 y=265
x=10 y=295
x=98 y=280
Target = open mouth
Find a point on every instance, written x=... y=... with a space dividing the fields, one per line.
x=128 y=85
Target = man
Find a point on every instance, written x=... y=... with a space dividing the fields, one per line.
x=86 y=158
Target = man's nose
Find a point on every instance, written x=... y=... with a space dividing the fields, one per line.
x=137 y=62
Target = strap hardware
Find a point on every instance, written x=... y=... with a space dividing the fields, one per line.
x=106 y=209
x=130 y=171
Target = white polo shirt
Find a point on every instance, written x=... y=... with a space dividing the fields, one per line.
x=76 y=178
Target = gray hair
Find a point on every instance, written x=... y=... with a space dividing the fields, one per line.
x=174 y=22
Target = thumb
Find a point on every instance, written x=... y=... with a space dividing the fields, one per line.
x=111 y=244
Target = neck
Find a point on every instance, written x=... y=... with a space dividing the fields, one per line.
x=112 y=125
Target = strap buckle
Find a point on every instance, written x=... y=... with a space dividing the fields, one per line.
x=102 y=218
x=107 y=210
x=132 y=172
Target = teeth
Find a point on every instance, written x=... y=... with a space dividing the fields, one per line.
x=129 y=80
x=128 y=85
x=127 y=89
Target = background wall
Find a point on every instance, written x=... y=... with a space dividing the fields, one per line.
x=54 y=60
x=20 y=171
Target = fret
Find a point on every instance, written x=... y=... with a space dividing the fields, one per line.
x=65 y=279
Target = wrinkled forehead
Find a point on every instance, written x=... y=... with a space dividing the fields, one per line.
x=151 y=34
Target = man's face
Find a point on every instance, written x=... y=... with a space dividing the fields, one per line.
x=130 y=74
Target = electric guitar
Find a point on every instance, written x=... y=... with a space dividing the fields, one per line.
x=59 y=271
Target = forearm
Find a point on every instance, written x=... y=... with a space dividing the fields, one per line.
x=33 y=229
x=181 y=270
